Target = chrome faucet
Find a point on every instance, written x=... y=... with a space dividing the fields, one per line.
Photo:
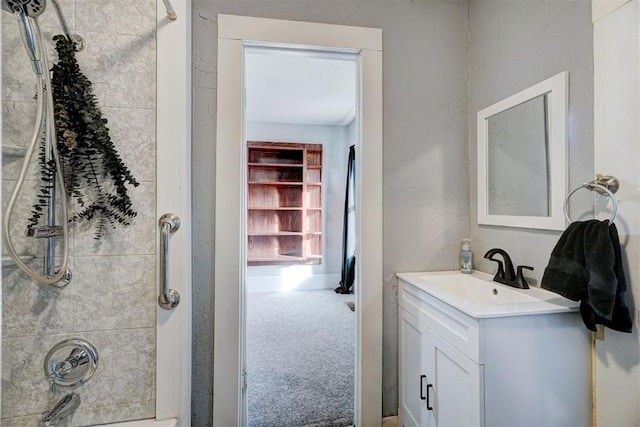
x=62 y=413
x=505 y=274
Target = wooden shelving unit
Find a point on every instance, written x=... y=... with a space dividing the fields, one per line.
x=284 y=218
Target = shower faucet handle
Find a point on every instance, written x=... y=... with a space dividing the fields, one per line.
x=70 y=363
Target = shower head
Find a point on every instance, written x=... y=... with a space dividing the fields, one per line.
x=27 y=11
x=32 y=8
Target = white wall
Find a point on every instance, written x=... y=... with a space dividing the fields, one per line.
x=617 y=152
x=513 y=45
x=425 y=172
x=335 y=150
x=427 y=159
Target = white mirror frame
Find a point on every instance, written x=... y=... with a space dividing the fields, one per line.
x=556 y=88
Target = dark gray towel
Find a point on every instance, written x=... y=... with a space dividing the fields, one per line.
x=621 y=317
x=585 y=265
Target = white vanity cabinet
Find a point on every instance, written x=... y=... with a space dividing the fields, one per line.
x=457 y=370
x=428 y=363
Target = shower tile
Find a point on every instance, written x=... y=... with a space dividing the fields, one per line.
x=125 y=374
x=19 y=220
x=120 y=288
x=133 y=133
x=116 y=16
x=17 y=126
x=27 y=197
x=17 y=122
x=123 y=386
x=19 y=82
x=25 y=389
x=122 y=69
x=33 y=309
x=11 y=166
x=29 y=420
x=137 y=239
x=48 y=19
x=114 y=292
x=18 y=79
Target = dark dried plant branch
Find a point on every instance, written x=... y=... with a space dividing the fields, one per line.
x=94 y=174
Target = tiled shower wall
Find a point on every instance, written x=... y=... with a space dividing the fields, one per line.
x=111 y=299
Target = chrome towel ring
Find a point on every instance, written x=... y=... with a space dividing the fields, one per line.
x=600 y=186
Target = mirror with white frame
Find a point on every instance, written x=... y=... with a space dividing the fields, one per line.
x=522 y=157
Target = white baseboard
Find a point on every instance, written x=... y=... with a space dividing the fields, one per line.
x=282 y=283
x=390 y=421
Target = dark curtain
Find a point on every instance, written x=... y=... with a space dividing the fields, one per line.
x=348 y=273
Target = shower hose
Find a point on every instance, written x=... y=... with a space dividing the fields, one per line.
x=43 y=95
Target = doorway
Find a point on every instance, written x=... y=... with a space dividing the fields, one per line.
x=234 y=33
x=299 y=122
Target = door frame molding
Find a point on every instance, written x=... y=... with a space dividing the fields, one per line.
x=173 y=194
x=233 y=31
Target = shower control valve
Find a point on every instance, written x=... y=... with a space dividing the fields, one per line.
x=70 y=363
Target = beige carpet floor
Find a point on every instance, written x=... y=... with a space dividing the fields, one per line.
x=300 y=360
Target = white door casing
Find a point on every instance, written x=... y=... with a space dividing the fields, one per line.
x=173 y=133
x=233 y=31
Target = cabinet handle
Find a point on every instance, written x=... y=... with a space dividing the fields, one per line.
x=422 y=396
x=429 y=407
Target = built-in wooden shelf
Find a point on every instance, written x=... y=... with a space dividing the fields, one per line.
x=284 y=218
x=274 y=165
x=271 y=208
x=282 y=183
x=275 y=233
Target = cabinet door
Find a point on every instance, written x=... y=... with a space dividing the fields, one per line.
x=457 y=384
x=412 y=408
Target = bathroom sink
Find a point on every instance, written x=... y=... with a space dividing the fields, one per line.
x=479 y=296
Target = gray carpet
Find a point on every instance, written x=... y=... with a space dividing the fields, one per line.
x=301 y=351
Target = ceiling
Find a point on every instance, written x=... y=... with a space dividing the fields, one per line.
x=300 y=87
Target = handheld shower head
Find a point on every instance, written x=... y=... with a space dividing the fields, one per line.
x=32 y=8
x=27 y=11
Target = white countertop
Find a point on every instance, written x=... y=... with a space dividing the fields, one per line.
x=477 y=295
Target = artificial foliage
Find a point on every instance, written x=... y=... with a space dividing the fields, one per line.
x=95 y=176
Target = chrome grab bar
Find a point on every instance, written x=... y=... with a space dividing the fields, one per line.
x=168 y=298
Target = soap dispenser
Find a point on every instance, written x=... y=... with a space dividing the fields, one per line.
x=466 y=257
